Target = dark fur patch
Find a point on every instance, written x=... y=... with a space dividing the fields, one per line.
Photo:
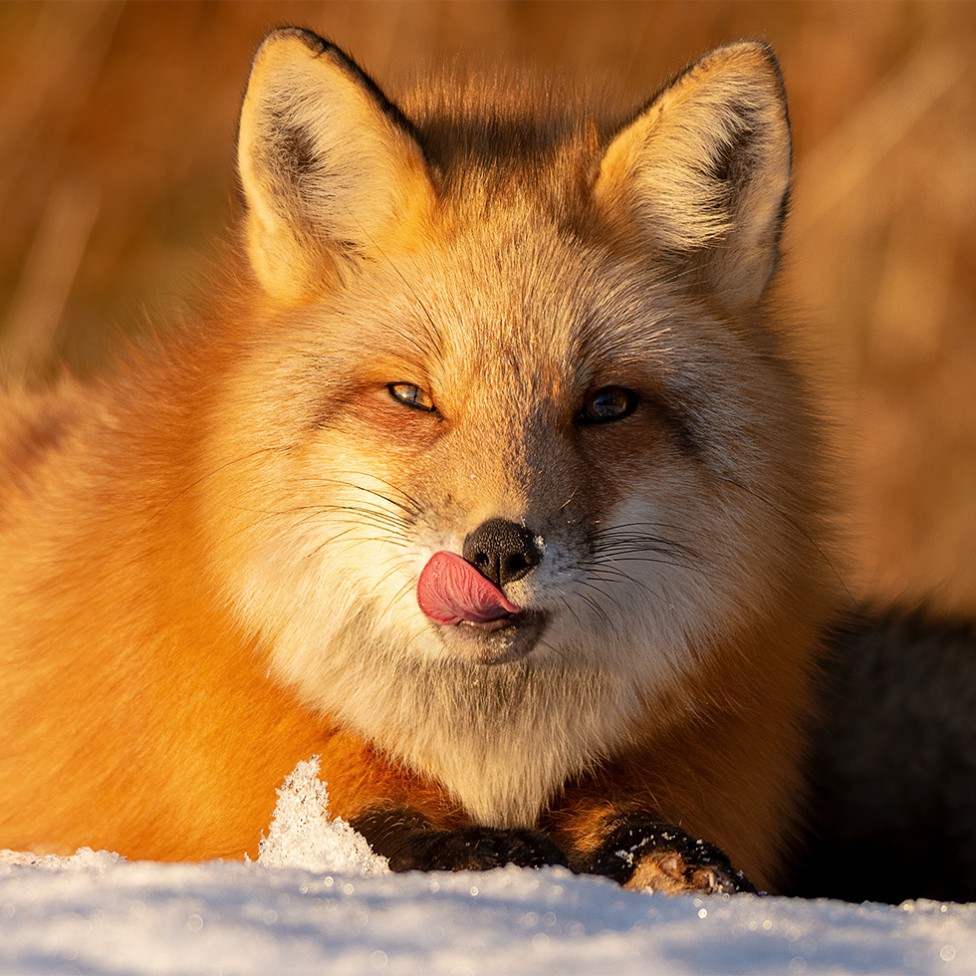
x=733 y=163
x=892 y=773
x=492 y=142
x=678 y=423
x=295 y=149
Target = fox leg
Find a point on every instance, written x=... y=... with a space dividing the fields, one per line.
x=411 y=843
x=416 y=825
x=639 y=849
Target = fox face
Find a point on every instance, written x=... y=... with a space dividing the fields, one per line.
x=507 y=453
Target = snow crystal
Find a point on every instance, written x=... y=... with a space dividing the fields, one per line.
x=302 y=835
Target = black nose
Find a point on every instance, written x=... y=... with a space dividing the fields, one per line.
x=501 y=550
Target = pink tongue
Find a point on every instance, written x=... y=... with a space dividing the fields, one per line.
x=451 y=590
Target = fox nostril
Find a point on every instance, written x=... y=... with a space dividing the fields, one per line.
x=515 y=565
x=502 y=551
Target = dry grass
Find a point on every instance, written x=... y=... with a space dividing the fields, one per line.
x=116 y=146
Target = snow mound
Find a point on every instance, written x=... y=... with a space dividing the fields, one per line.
x=301 y=834
x=235 y=919
x=318 y=900
x=84 y=859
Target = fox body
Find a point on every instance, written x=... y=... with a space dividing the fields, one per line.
x=484 y=479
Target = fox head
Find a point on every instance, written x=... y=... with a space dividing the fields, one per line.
x=514 y=451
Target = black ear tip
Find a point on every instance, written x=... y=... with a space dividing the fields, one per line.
x=317 y=45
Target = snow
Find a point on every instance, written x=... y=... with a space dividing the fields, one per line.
x=317 y=900
x=302 y=835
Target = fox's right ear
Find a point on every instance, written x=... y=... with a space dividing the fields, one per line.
x=330 y=168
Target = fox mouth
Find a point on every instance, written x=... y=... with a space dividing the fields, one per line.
x=473 y=617
x=500 y=641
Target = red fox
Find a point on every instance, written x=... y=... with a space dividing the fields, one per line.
x=485 y=478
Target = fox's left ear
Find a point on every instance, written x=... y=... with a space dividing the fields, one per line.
x=703 y=172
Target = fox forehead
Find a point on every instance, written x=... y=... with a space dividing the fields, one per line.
x=508 y=303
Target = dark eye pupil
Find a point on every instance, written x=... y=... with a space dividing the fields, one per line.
x=611 y=403
x=411 y=396
x=608 y=404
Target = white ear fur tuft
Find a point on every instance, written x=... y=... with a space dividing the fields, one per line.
x=703 y=172
x=329 y=167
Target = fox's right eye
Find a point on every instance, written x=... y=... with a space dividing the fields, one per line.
x=412 y=396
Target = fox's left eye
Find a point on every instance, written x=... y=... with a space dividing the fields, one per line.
x=609 y=403
x=412 y=396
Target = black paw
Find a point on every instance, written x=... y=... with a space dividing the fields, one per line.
x=410 y=844
x=640 y=852
x=479 y=849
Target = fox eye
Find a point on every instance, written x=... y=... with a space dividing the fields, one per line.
x=609 y=403
x=412 y=396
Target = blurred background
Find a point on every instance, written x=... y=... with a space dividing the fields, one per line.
x=117 y=125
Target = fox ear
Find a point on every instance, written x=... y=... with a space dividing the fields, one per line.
x=703 y=172
x=329 y=167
